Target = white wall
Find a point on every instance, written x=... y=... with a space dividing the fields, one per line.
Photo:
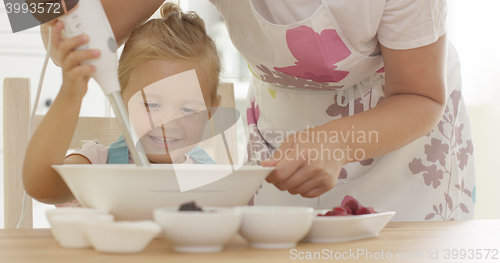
x=474 y=32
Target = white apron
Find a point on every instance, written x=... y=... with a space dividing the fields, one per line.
x=307 y=74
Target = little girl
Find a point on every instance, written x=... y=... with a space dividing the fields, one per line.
x=169 y=74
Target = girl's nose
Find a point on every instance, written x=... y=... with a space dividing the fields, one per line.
x=170 y=125
x=169 y=118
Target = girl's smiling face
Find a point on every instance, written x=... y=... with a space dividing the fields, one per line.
x=168 y=104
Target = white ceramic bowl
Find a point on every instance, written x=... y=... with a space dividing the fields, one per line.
x=331 y=229
x=72 y=211
x=275 y=227
x=68 y=231
x=199 y=231
x=132 y=193
x=76 y=211
x=121 y=237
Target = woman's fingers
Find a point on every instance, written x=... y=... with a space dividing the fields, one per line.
x=286 y=166
x=270 y=162
x=303 y=174
x=315 y=192
x=292 y=170
x=293 y=181
x=305 y=187
x=323 y=180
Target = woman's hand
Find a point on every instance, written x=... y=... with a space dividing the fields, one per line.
x=305 y=165
x=75 y=75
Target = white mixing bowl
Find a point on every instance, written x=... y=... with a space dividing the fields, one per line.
x=130 y=192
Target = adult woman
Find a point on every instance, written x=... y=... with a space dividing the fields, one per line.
x=375 y=80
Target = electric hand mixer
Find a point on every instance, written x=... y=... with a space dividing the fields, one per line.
x=89 y=18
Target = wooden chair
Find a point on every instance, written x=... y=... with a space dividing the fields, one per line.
x=16 y=116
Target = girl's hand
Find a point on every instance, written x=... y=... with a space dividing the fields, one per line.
x=75 y=75
x=304 y=166
x=56 y=24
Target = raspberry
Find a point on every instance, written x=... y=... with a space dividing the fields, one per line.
x=341 y=214
x=365 y=211
x=353 y=205
x=348 y=210
x=339 y=211
x=349 y=206
x=329 y=213
x=336 y=211
x=346 y=199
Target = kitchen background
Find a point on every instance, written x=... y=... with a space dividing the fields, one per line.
x=472 y=29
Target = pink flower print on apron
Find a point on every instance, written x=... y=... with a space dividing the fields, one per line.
x=317 y=54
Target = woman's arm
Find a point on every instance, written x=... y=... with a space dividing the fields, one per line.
x=51 y=139
x=415 y=90
x=123 y=15
x=415 y=98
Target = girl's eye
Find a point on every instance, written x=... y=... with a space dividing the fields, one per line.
x=188 y=110
x=152 y=105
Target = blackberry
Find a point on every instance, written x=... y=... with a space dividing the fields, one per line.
x=191 y=206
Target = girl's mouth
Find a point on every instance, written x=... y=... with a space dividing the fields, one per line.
x=161 y=142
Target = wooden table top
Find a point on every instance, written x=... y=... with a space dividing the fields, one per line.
x=415 y=241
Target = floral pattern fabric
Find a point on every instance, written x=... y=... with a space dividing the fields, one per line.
x=447 y=156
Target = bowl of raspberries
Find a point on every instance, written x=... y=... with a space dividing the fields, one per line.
x=349 y=221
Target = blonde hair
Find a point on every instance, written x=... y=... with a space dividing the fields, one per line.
x=175 y=36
